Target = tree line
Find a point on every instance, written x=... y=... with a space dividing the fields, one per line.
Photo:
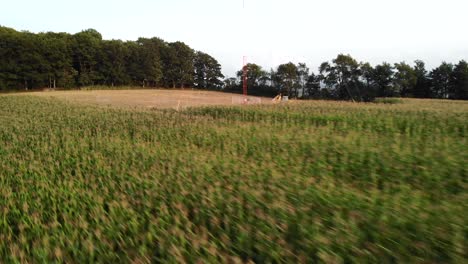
x=344 y=78
x=29 y=61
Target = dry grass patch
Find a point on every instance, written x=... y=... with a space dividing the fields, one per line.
x=149 y=98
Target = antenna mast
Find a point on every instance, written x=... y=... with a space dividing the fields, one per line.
x=244 y=68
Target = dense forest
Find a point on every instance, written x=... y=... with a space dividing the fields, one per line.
x=29 y=61
x=346 y=78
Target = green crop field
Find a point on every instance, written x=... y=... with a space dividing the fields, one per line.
x=301 y=182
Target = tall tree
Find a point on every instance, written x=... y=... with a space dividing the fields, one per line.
x=10 y=50
x=178 y=61
x=312 y=86
x=113 y=63
x=134 y=66
x=207 y=72
x=57 y=53
x=32 y=66
x=460 y=81
x=342 y=77
x=86 y=53
x=369 y=89
x=287 y=77
x=302 y=79
x=383 y=78
x=150 y=60
x=422 y=88
x=231 y=84
x=405 y=79
x=255 y=74
x=441 y=80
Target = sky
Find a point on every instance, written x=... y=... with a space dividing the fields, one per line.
x=266 y=32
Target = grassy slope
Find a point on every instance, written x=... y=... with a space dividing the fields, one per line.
x=302 y=182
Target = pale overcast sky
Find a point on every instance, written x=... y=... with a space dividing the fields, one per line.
x=268 y=32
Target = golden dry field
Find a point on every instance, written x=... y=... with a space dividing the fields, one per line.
x=151 y=98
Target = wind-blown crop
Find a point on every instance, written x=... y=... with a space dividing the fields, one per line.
x=307 y=182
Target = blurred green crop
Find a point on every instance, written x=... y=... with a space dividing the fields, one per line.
x=303 y=182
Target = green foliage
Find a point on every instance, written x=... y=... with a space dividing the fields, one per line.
x=405 y=79
x=441 y=80
x=114 y=58
x=312 y=87
x=309 y=182
x=422 y=87
x=345 y=79
x=383 y=79
x=207 y=72
x=342 y=77
x=149 y=62
x=61 y=60
x=287 y=78
x=259 y=82
x=87 y=49
x=254 y=75
x=303 y=78
x=460 y=81
x=178 y=61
